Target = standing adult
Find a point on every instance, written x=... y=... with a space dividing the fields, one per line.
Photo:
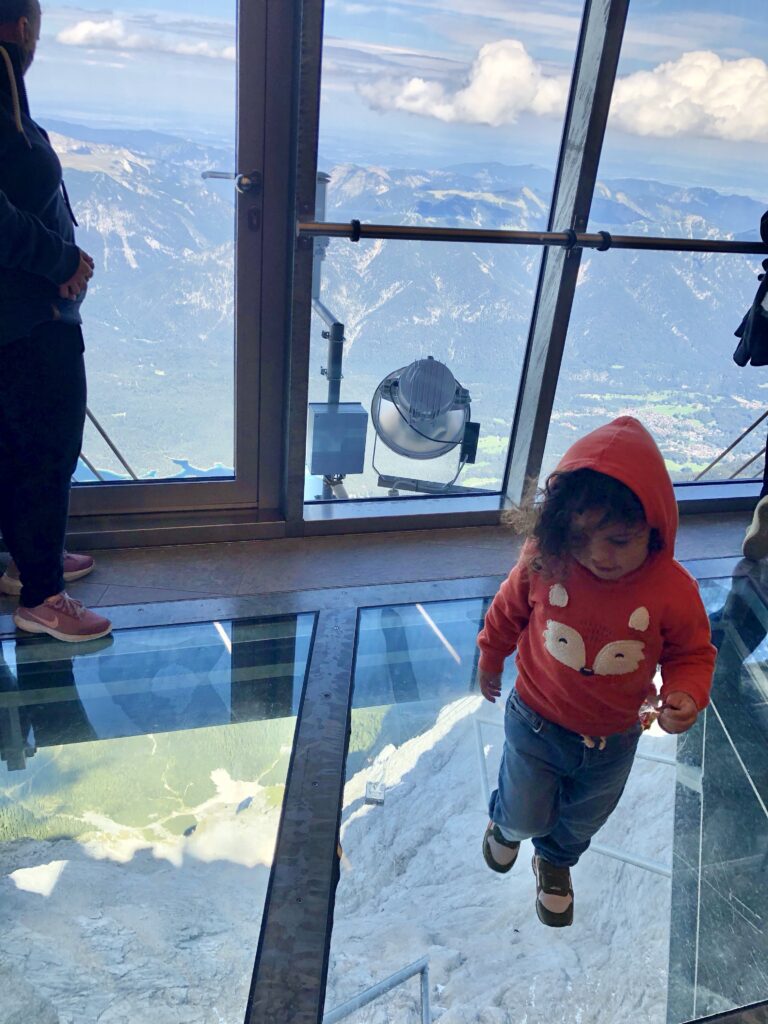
x=43 y=280
x=753 y=348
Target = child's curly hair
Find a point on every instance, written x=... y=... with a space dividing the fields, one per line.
x=567 y=494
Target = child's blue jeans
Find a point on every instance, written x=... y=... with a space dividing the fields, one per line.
x=554 y=788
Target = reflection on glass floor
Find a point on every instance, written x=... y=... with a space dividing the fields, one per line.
x=140 y=789
x=679 y=937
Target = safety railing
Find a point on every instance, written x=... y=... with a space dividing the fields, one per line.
x=115 y=450
x=355 y=231
x=420 y=967
x=730 y=448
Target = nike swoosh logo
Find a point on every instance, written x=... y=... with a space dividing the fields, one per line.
x=53 y=623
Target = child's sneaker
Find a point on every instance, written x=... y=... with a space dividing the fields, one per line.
x=75 y=567
x=755 y=544
x=62 y=617
x=500 y=854
x=554 y=893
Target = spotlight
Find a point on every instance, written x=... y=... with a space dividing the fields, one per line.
x=422 y=412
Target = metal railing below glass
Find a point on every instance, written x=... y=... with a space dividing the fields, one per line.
x=420 y=967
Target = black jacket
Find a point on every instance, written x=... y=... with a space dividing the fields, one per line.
x=37 y=238
x=752 y=332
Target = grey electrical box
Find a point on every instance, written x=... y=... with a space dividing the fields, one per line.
x=375 y=792
x=336 y=438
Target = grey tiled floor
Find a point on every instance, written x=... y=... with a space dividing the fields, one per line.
x=147 y=575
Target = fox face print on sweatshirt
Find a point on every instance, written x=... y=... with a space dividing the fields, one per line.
x=587 y=649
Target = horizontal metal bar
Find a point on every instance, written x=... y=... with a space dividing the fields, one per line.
x=344 y=1009
x=563 y=239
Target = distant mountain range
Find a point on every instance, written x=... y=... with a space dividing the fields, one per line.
x=651 y=333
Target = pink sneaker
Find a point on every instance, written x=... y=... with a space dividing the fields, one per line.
x=75 y=567
x=63 y=617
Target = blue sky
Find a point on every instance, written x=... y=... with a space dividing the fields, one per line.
x=432 y=82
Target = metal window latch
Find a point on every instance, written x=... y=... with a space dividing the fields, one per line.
x=246 y=184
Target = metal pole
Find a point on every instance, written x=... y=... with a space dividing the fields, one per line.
x=321 y=242
x=658 y=758
x=107 y=438
x=741 y=437
x=92 y=468
x=485 y=788
x=747 y=463
x=602 y=241
x=426 y=1013
x=639 y=862
x=379 y=989
x=335 y=356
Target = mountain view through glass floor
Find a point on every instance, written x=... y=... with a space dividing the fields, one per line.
x=670 y=905
x=140 y=793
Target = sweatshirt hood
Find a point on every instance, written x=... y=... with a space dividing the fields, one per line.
x=626 y=451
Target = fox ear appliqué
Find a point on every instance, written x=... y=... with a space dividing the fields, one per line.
x=619 y=658
x=558 y=596
x=640 y=619
x=565 y=644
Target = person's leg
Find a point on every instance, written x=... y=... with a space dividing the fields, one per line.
x=588 y=797
x=42 y=413
x=526 y=801
x=755 y=545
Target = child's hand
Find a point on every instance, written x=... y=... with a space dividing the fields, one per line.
x=678 y=712
x=490 y=684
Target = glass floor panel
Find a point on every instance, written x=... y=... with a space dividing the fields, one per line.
x=141 y=785
x=671 y=904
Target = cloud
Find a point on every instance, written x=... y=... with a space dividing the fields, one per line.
x=698 y=95
x=113 y=34
x=504 y=81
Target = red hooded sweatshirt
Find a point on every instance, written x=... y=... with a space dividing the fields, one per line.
x=587 y=648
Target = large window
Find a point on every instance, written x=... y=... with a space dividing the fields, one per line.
x=467 y=306
x=687 y=136
x=652 y=334
x=141 y=105
x=426 y=122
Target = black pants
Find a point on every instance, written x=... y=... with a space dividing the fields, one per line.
x=42 y=414
x=764 y=489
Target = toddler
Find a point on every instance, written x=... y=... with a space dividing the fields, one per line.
x=594 y=604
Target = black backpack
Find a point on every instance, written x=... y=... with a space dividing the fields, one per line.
x=752 y=332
